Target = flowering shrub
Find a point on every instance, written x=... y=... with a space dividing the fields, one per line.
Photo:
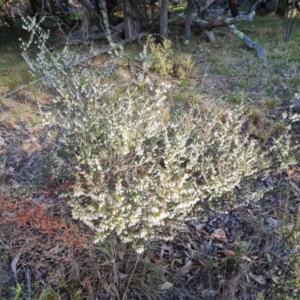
x=142 y=161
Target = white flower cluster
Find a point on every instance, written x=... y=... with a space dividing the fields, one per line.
x=143 y=162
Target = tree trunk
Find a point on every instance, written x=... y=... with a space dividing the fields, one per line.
x=106 y=22
x=282 y=8
x=152 y=7
x=291 y=23
x=163 y=19
x=85 y=22
x=34 y=7
x=132 y=18
x=233 y=8
x=188 y=21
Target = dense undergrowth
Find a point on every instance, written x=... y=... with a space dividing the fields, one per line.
x=127 y=149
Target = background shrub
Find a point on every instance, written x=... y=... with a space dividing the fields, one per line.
x=164 y=60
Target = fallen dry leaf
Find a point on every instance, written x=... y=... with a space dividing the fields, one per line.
x=227 y=252
x=273 y=223
x=291 y=171
x=122 y=275
x=258 y=278
x=200 y=288
x=246 y=258
x=181 y=228
x=165 y=286
x=220 y=235
x=155 y=260
x=120 y=255
x=207 y=293
x=178 y=260
x=250 y=212
x=186 y=268
x=166 y=248
x=295 y=188
x=14 y=264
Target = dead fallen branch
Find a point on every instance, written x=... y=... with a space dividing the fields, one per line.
x=84 y=59
x=248 y=42
x=207 y=28
x=24 y=86
x=226 y=22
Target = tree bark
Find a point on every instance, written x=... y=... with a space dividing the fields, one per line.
x=106 y=22
x=94 y=12
x=34 y=6
x=291 y=23
x=282 y=8
x=233 y=7
x=163 y=19
x=132 y=18
x=188 y=21
x=86 y=22
x=152 y=7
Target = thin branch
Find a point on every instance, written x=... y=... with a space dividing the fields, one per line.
x=84 y=58
x=138 y=258
x=291 y=23
x=22 y=87
x=28 y=277
x=225 y=22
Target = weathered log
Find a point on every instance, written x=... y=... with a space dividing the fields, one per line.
x=179 y=19
x=207 y=28
x=225 y=22
x=229 y=22
x=248 y=42
x=210 y=35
